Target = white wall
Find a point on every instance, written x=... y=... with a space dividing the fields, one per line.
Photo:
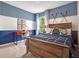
x=8 y=23
x=72 y=19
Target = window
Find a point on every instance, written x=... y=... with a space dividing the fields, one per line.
x=21 y=24
x=42 y=24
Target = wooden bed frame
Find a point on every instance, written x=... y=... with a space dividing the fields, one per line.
x=41 y=48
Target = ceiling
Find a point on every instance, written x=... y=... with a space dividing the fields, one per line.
x=37 y=6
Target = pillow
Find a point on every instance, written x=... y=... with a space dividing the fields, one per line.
x=65 y=31
x=69 y=32
x=56 y=31
x=49 y=30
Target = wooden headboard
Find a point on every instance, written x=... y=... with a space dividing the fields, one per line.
x=61 y=25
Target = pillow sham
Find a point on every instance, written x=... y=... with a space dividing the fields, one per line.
x=56 y=31
x=65 y=31
x=49 y=30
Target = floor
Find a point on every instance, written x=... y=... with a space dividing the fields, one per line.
x=14 y=51
x=75 y=54
x=19 y=51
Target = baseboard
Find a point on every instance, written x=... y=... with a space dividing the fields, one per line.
x=7 y=44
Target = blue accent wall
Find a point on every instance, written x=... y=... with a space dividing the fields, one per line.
x=66 y=10
x=41 y=14
x=0 y=9
x=35 y=17
x=8 y=36
x=12 y=11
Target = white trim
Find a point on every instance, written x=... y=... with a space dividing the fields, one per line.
x=7 y=44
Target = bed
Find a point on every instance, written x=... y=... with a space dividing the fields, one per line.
x=51 y=45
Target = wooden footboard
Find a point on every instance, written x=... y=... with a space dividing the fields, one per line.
x=44 y=49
